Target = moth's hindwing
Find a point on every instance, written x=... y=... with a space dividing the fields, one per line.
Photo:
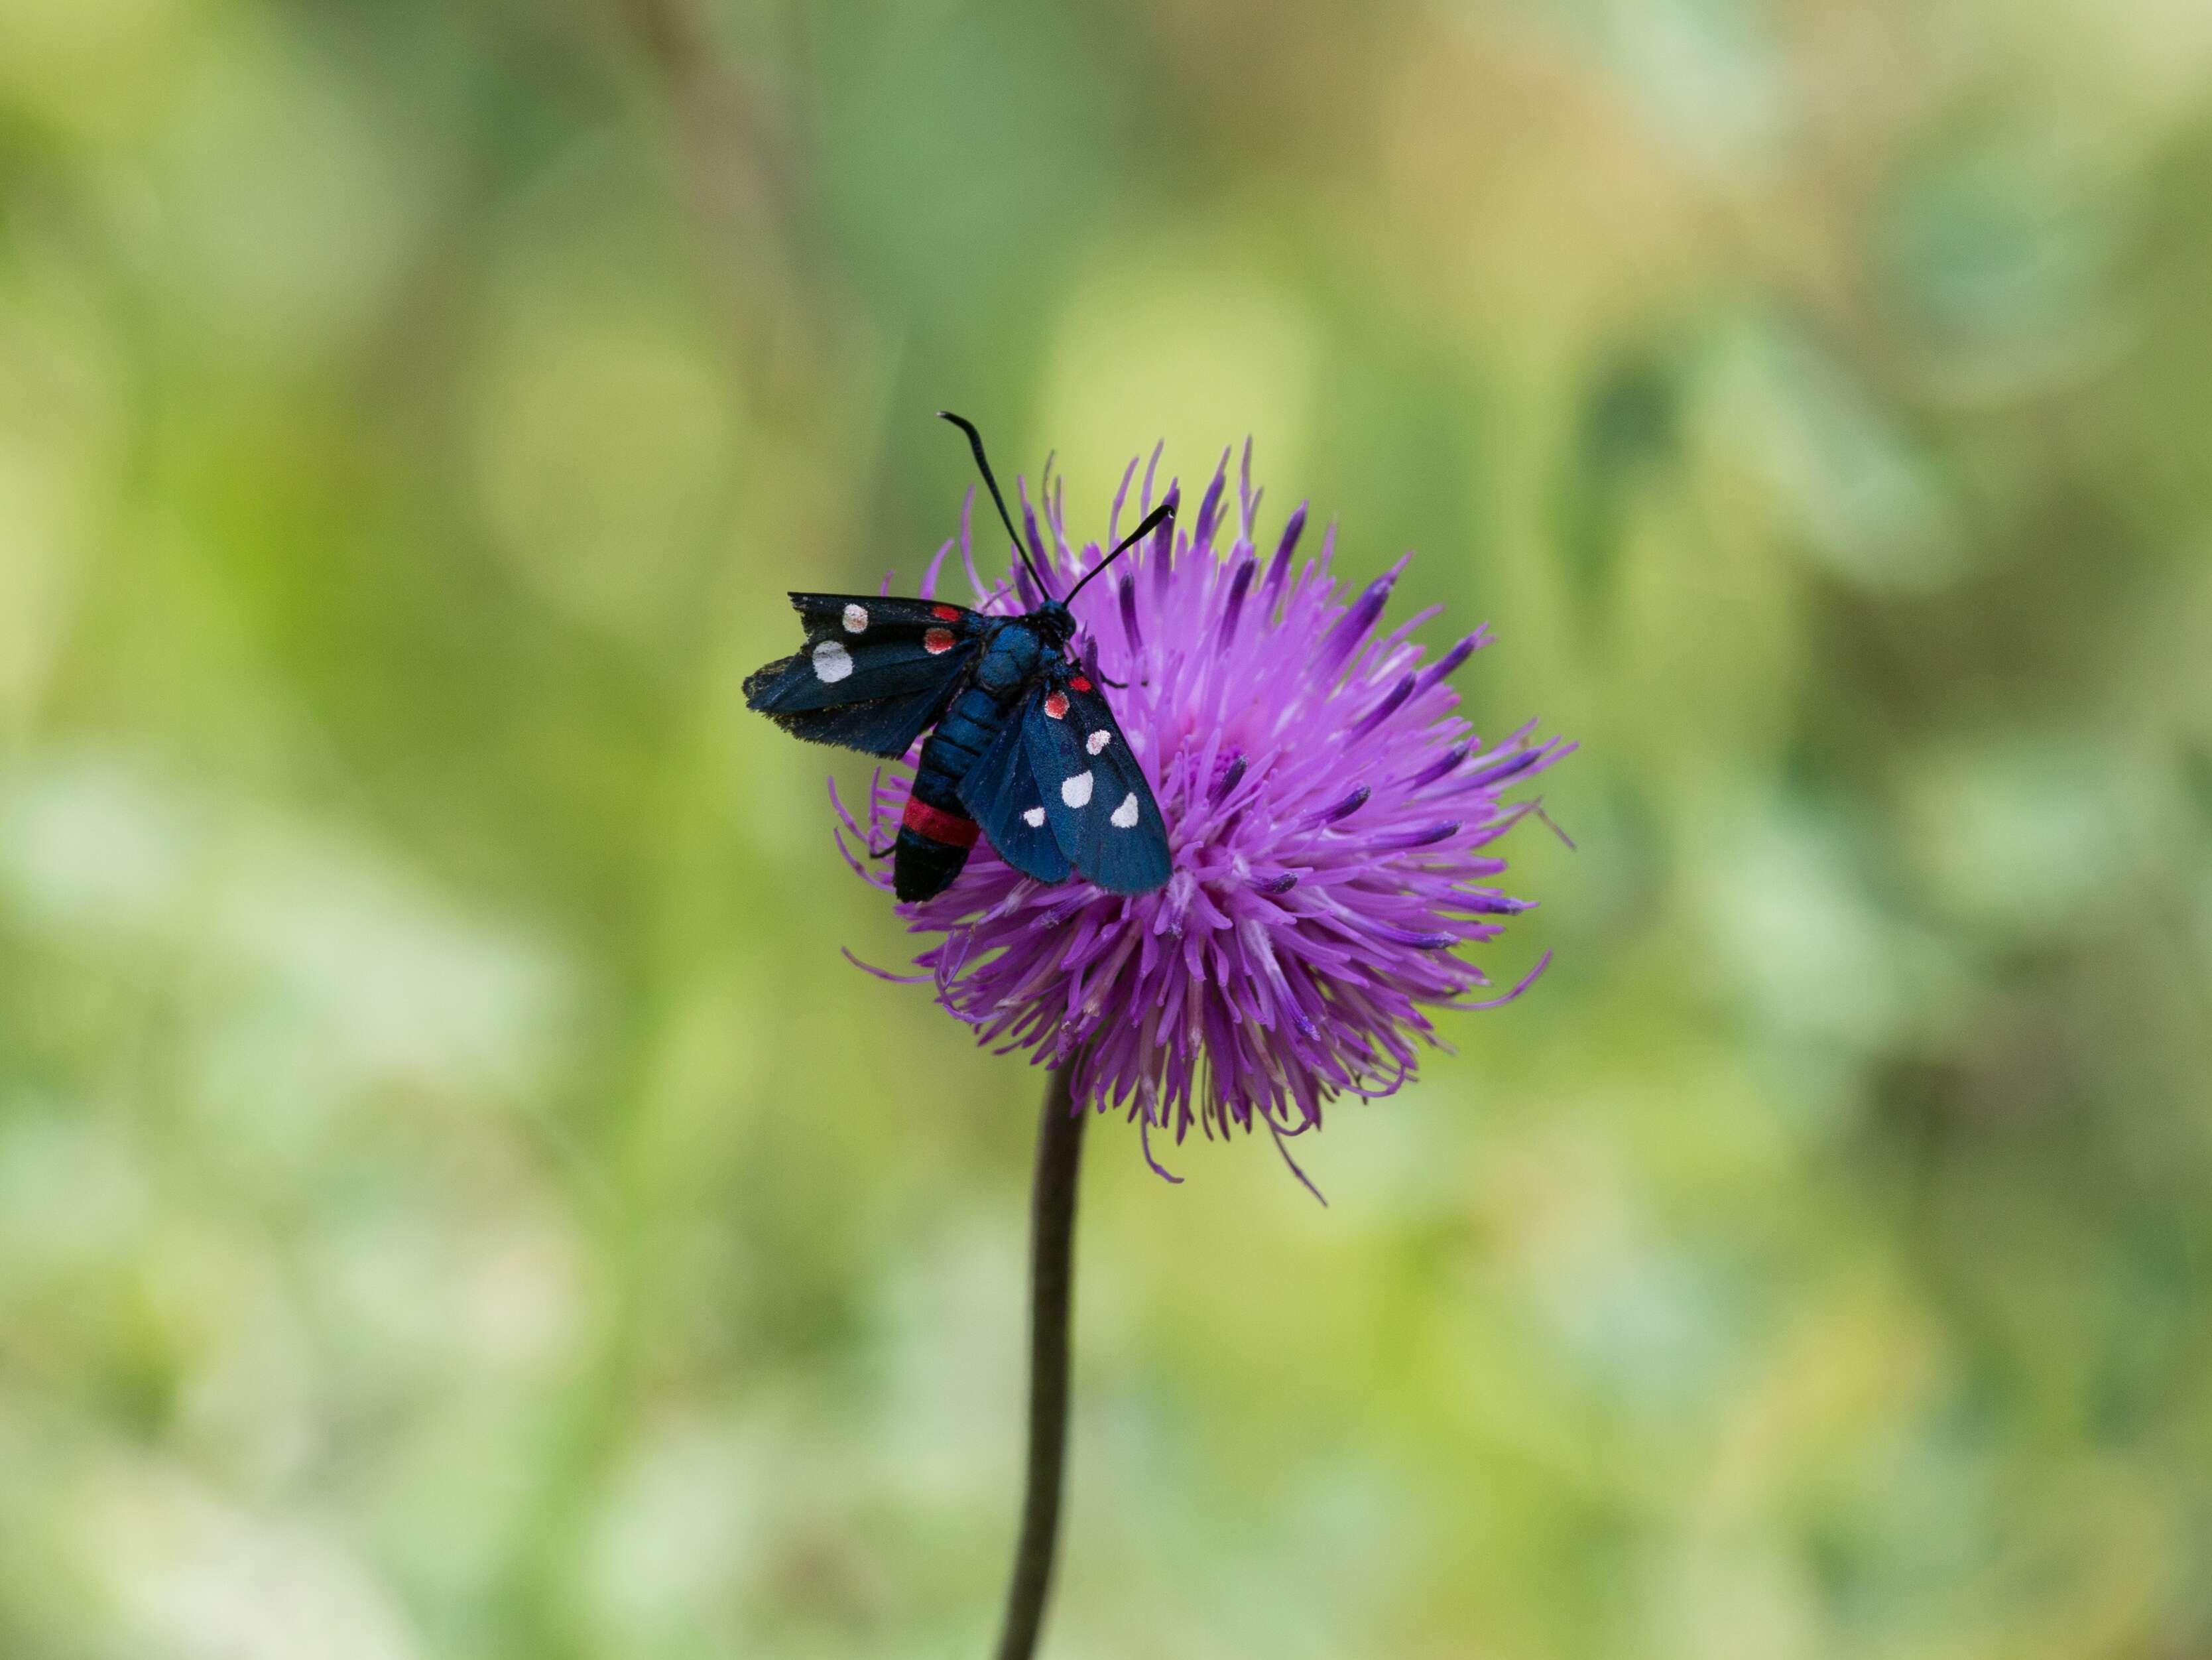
x=1095 y=795
x=1001 y=790
x=875 y=672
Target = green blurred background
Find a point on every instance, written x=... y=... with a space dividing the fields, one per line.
x=455 y=1199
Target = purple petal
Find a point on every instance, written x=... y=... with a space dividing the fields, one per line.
x=1280 y=566
x=1233 y=606
x=1389 y=707
x=1230 y=777
x=1343 y=808
x=1355 y=625
x=1201 y=535
x=1444 y=667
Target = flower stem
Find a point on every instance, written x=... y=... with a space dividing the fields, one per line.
x=1052 y=1295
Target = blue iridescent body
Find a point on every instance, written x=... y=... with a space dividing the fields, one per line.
x=1012 y=652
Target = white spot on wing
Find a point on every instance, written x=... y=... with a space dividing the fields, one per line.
x=1125 y=815
x=1098 y=740
x=1034 y=818
x=832 y=662
x=1076 y=791
x=856 y=619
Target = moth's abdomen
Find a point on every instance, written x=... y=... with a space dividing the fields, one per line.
x=936 y=831
x=931 y=851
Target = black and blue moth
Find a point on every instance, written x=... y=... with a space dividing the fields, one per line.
x=1025 y=749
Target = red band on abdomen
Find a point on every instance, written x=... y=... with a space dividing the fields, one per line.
x=952 y=828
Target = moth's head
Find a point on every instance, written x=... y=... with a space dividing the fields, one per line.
x=1055 y=622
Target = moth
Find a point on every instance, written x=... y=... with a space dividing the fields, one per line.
x=1025 y=749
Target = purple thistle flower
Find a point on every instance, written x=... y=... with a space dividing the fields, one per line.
x=1332 y=822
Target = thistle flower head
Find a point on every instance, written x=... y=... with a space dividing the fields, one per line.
x=1332 y=820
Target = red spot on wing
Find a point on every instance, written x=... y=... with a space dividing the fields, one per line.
x=952 y=828
x=1079 y=684
x=1055 y=705
x=937 y=641
x=946 y=613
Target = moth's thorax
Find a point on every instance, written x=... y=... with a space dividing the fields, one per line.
x=1012 y=654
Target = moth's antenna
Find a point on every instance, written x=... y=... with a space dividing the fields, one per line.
x=1166 y=510
x=975 y=443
